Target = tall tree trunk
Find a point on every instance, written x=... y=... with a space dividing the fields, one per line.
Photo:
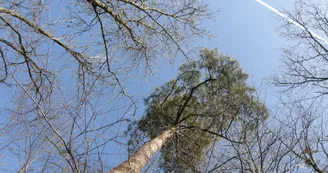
x=139 y=160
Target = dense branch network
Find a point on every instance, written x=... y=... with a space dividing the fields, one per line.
x=68 y=63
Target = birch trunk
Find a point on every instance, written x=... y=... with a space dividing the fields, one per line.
x=139 y=160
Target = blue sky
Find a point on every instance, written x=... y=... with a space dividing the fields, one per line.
x=248 y=32
x=244 y=29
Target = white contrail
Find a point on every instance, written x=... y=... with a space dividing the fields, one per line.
x=290 y=20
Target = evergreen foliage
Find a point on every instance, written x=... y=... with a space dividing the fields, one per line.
x=202 y=103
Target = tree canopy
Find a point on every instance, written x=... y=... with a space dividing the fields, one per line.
x=202 y=103
x=67 y=70
x=64 y=66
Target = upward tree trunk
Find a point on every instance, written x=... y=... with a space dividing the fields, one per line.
x=139 y=160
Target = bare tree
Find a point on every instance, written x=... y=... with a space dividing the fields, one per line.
x=67 y=62
x=303 y=79
x=305 y=62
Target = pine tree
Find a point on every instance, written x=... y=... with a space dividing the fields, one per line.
x=189 y=113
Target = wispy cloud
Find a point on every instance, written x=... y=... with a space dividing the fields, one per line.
x=290 y=20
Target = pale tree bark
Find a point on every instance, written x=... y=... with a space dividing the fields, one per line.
x=139 y=160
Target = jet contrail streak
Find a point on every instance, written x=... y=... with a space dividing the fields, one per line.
x=290 y=20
